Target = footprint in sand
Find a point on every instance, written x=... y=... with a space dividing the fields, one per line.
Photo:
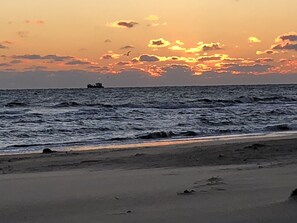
x=210 y=184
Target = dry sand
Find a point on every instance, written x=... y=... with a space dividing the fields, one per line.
x=246 y=181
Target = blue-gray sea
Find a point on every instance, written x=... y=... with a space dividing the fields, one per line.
x=31 y=120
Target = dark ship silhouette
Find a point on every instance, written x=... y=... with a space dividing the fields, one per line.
x=96 y=85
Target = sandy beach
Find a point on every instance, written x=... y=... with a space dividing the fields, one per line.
x=226 y=181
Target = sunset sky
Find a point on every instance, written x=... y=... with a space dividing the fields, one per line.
x=69 y=43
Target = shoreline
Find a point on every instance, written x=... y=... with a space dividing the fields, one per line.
x=223 y=151
x=205 y=141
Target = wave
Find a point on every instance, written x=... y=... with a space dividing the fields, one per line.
x=76 y=104
x=67 y=104
x=173 y=104
x=164 y=134
x=281 y=127
x=247 y=99
x=15 y=104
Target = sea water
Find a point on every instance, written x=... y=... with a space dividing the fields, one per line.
x=31 y=120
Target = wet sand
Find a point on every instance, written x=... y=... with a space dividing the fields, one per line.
x=234 y=181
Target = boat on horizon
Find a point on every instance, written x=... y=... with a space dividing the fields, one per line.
x=96 y=85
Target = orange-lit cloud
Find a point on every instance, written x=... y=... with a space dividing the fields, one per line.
x=40 y=57
x=127 y=47
x=148 y=58
x=159 y=43
x=178 y=42
x=152 y=18
x=266 y=52
x=283 y=43
x=5 y=44
x=254 y=39
x=212 y=57
x=285 y=46
x=177 y=48
x=31 y=21
x=291 y=37
x=76 y=62
x=264 y=60
x=201 y=46
x=123 y=24
x=110 y=56
x=157 y=24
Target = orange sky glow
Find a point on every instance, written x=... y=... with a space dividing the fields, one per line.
x=152 y=38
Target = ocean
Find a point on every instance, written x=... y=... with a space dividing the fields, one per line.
x=31 y=120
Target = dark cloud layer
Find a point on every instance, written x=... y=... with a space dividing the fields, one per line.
x=172 y=76
x=78 y=62
x=285 y=46
x=39 y=57
x=148 y=58
x=288 y=37
x=257 y=68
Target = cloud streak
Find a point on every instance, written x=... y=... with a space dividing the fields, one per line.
x=123 y=24
x=254 y=39
x=158 y=43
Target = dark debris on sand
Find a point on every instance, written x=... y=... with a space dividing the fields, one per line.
x=294 y=195
x=186 y=192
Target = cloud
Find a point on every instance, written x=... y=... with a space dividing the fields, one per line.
x=4 y=44
x=201 y=46
x=28 y=57
x=109 y=56
x=158 y=43
x=124 y=63
x=210 y=58
x=287 y=37
x=152 y=18
x=267 y=52
x=15 y=62
x=157 y=24
x=148 y=58
x=79 y=62
x=23 y=34
x=36 y=68
x=4 y=65
x=171 y=76
x=253 y=39
x=128 y=47
x=37 y=22
x=256 y=68
x=123 y=24
x=177 y=48
x=211 y=46
x=178 y=42
x=283 y=43
x=55 y=58
x=264 y=60
x=285 y=46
